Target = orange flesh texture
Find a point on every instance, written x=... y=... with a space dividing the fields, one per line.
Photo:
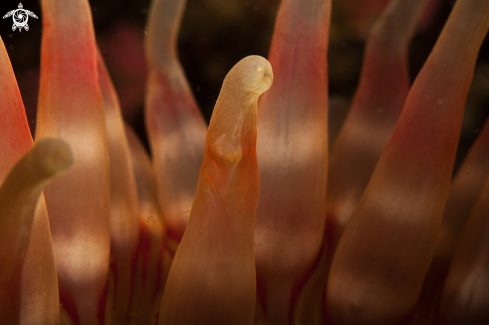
x=292 y=151
x=71 y=108
x=214 y=267
x=176 y=128
x=150 y=274
x=19 y=195
x=386 y=249
x=38 y=282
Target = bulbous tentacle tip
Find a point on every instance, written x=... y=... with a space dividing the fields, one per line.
x=54 y=156
x=255 y=73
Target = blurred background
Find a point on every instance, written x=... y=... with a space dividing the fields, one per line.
x=216 y=34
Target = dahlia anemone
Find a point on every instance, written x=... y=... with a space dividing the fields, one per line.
x=252 y=219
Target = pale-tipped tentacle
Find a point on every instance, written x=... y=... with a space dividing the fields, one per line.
x=19 y=196
x=214 y=267
x=39 y=284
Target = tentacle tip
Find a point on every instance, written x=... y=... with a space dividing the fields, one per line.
x=54 y=156
x=257 y=74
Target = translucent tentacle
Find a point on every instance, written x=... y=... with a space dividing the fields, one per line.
x=466 y=188
x=39 y=283
x=175 y=125
x=384 y=85
x=19 y=195
x=150 y=277
x=124 y=205
x=465 y=298
x=214 y=267
x=71 y=108
x=292 y=152
x=386 y=249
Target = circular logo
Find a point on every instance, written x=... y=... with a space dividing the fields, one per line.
x=20 y=17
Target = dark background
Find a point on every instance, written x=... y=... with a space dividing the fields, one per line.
x=216 y=34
